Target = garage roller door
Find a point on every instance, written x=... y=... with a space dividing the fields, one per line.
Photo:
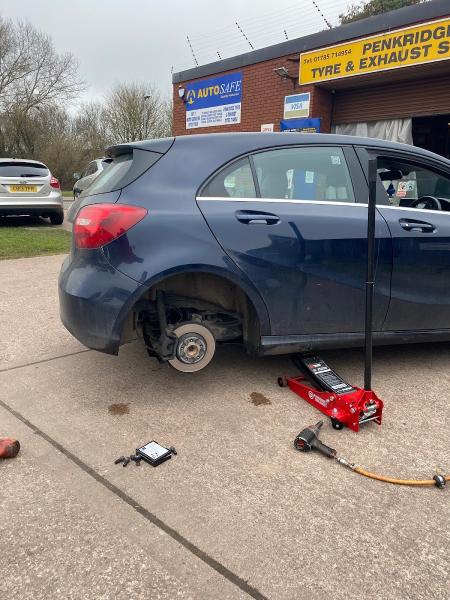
x=398 y=100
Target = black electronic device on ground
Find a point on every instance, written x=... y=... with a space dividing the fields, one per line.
x=154 y=453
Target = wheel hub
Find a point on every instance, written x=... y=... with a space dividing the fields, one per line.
x=191 y=348
x=194 y=347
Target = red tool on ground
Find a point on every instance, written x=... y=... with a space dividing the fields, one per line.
x=9 y=448
x=324 y=389
x=343 y=403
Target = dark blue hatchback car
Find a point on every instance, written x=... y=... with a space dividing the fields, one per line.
x=260 y=238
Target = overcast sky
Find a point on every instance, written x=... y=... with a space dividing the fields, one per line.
x=142 y=40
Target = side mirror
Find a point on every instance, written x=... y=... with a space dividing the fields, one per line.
x=76 y=176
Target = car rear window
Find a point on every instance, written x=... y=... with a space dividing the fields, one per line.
x=22 y=169
x=122 y=171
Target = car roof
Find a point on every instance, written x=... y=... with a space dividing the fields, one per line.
x=258 y=140
x=241 y=142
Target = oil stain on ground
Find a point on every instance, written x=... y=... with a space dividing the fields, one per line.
x=259 y=399
x=118 y=409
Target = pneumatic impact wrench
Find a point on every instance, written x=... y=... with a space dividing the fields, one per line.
x=307 y=440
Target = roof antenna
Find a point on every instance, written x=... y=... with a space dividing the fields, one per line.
x=322 y=15
x=192 y=51
x=248 y=41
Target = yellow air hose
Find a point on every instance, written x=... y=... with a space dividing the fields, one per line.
x=439 y=480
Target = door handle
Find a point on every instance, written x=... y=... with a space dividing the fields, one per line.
x=412 y=225
x=252 y=217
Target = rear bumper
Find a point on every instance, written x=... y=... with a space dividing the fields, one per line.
x=22 y=206
x=95 y=299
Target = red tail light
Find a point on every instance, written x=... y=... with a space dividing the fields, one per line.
x=100 y=224
x=54 y=183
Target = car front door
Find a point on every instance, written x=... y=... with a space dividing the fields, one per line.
x=414 y=199
x=295 y=221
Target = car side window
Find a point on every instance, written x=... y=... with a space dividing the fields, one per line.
x=304 y=173
x=413 y=185
x=234 y=181
x=92 y=168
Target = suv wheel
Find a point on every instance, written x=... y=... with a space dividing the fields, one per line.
x=57 y=218
x=194 y=348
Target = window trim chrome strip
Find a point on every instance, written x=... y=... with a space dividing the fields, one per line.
x=414 y=209
x=327 y=202
x=278 y=200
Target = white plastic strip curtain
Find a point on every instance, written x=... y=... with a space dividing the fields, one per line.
x=395 y=130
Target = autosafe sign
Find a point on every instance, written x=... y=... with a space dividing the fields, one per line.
x=215 y=101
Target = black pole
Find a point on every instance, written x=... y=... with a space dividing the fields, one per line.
x=370 y=273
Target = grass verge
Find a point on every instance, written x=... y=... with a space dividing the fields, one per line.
x=21 y=242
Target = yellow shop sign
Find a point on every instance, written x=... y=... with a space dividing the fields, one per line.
x=425 y=43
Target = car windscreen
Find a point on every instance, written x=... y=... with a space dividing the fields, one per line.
x=123 y=170
x=22 y=169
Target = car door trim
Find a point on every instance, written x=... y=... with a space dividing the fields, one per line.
x=283 y=344
x=414 y=209
x=269 y=200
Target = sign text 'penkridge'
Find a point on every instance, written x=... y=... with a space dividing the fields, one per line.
x=425 y=43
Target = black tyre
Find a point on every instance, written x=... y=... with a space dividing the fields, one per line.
x=57 y=218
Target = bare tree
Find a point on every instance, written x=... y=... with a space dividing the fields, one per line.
x=369 y=8
x=135 y=111
x=36 y=86
x=166 y=122
x=89 y=130
x=14 y=58
x=32 y=73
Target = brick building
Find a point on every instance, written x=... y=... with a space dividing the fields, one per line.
x=385 y=76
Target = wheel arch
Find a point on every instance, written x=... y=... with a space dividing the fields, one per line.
x=224 y=282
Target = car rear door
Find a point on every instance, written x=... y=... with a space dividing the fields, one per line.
x=421 y=239
x=295 y=221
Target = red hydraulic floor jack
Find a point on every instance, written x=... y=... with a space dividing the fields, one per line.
x=343 y=403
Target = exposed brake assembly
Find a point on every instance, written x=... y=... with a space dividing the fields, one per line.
x=308 y=439
x=343 y=403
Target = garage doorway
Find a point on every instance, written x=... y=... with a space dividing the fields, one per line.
x=432 y=133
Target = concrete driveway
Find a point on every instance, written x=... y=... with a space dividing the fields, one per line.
x=237 y=513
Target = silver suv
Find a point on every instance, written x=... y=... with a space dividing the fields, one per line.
x=91 y=172
x=28 y=188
